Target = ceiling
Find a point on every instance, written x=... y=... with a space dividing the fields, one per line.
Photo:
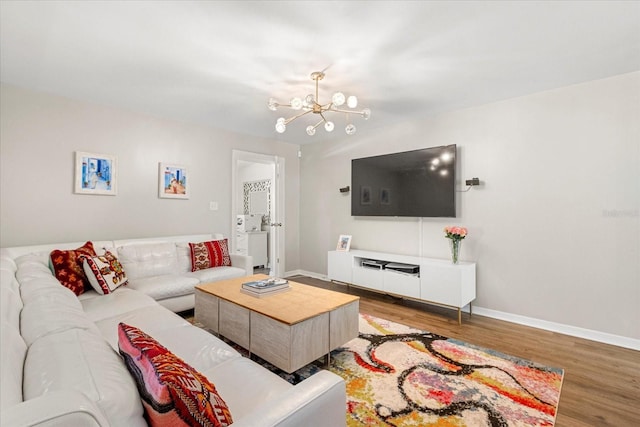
x=217 y=62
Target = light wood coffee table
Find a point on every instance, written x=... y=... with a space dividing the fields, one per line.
x=289 y=329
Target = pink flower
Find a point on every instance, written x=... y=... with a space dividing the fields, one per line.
x=455 y=233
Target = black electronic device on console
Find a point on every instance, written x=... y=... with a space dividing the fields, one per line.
x=373 y=263
x=403 y=268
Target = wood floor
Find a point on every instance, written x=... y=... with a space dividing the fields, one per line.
x=601 y=382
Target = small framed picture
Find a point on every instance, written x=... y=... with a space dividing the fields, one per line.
x=344 y=243
x=95 y=174
x=384 y=196
x=172 y=181
x=365 y=195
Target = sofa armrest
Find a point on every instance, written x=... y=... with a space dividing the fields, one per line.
x=243 y=261
x=55 y=409
x=320 y=400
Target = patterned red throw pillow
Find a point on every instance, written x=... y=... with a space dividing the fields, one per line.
x=67 y=267
x=209 y=254
x=172 y=392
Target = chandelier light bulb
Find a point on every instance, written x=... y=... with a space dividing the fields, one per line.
x=352 y=101
x=328 y=126
x=350 y=129
x=338 y=98
x=280 y=126
x=310 y=99
x=273 y=104
x=366 y=113
x=311 y=130
x=296 y=103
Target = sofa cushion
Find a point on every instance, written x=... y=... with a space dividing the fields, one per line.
x=148 y=259
x=184 y=257
x=214 y=253
x=33 y=266
x=67 y=267
x=14 y=350
x=52 y=311
x=10 y=303
x=123 y=300
x=33 y=288
x=43 y=258
x=105 y=273
x=173 y=393
x=154 y=319
x=166 y=286
x=82 y=361
x=217 y=273
x=264 y=385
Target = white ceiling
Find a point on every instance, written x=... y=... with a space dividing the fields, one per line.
x=218 y=62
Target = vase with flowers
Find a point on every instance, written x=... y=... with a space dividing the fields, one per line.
x=455 y=236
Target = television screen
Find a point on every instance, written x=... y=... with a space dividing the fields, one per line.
x=418 y=183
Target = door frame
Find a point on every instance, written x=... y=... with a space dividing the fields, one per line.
x=276 y=233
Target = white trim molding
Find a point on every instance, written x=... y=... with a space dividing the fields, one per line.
x=561 y=328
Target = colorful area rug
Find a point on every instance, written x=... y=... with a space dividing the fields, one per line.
x=400 y=376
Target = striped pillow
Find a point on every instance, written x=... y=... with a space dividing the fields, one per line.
x=209 y=254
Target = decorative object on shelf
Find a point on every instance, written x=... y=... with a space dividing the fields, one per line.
x=311 y=104
x=95 y=174
x=172 y=181
x=344 y=243
x=455 y=236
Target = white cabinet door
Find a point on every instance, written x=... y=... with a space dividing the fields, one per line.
x=448 y=284
x=339 y=266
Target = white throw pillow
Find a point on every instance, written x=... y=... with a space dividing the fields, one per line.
x=105 y=273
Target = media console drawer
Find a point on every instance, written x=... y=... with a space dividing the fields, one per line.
x=401 y=283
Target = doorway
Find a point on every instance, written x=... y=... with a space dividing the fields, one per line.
x=257 y=188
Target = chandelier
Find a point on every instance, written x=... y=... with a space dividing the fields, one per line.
x=311 y=104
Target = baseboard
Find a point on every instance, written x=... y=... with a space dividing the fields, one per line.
x=574 y=331
x=561 y=328
x=306 y=273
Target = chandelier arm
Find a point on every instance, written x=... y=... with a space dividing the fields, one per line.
x=319 y=123
x=290 y=119
x=337 y=110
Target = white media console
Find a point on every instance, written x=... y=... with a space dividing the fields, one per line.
x=425 y=279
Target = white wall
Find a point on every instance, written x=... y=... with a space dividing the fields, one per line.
x=39 y=134
x=554 y=228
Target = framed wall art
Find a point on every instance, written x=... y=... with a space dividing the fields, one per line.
x=95 y=174
x=172 y=181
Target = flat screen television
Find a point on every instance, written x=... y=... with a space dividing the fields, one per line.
x=417 y=183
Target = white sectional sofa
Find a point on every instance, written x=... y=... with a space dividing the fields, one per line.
x=60 y=364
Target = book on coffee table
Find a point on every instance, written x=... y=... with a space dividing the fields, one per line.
x=266 y=285
x=265 y=293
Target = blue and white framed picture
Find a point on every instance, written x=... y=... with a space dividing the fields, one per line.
x=172 y=181
x=95 y=174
